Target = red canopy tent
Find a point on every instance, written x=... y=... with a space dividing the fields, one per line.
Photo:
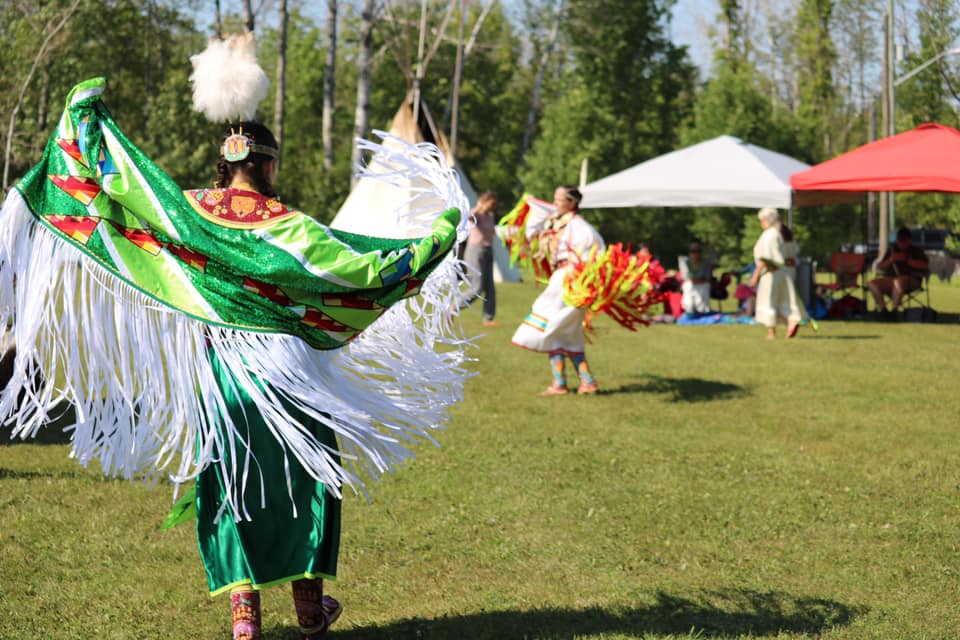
x=924 y=159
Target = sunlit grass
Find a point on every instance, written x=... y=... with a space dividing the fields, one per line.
x=721 y=486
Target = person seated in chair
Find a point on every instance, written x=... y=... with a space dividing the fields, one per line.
x=695 y=274
x=903 y=271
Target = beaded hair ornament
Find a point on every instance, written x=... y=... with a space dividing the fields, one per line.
x=237 y=146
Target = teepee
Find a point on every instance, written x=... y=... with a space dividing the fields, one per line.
x=376 y=207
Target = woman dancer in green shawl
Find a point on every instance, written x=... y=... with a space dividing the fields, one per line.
x=219 y=335
x=277 y=544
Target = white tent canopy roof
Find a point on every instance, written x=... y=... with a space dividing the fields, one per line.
x=723 y=172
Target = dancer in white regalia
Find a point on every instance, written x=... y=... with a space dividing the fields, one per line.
x=776 y=295
x=553 y=326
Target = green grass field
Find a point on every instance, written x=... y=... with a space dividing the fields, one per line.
x=721 y=486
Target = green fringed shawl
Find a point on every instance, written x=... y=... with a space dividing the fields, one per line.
x=236 y=260
x=124 y=289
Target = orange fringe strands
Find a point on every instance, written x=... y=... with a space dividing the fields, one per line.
x=522 y=249
x=616 y=282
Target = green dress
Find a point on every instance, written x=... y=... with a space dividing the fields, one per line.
x=274 y=545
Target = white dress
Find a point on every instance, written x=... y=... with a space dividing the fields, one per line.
x=553 y=326
x=791 y=253
x=775 y=291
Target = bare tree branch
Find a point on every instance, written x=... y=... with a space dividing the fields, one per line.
x=441 y=30
x=418 y=75
x=248 y=15
x=458 y=70
x=535 y=100
x=467 y=48
x=217 y=19
x=472 y=40
x=392 y=42
x=26 y=85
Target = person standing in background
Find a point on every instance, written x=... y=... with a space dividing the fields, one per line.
x=478 y=254
x=770 y=280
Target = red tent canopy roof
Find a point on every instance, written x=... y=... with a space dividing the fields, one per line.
x=924 y=159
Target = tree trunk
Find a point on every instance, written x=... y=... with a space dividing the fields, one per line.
x=26 y=85
x=43 y=104
x=148 y=65
x=535 y=100
x=329 y=83
x=247 y=15
x=281 y=73
x=43 y=108
x=418 y=74
x=217 y=19
x=365 y=68
x=468 y=47
x=457 y=72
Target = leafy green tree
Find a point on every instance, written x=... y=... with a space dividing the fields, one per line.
x=931 y=96
x=622 y=88
x=815 y=59
x=142 y=47
x=734 y=102
x=302 y=180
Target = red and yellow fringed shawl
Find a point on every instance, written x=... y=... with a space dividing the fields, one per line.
x=524 y=247
x=616 y=282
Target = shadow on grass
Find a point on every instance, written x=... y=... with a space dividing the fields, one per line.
x=727 y=614
x=818 y=336
x=10 y=474
x=683 y=389
x=50 y=433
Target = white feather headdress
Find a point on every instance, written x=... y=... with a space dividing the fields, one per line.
x=228 y=83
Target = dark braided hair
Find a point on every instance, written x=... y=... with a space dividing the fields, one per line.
x=573 y=194
x=254 y=165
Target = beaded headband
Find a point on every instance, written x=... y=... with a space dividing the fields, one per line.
x=238 y=147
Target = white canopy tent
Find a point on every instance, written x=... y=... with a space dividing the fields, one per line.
x=375 y=207
x=722 y=172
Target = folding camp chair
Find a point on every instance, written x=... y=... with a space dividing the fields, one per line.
x=918 y=297
x=916 y=303
x=720 y=288
x=847 y=269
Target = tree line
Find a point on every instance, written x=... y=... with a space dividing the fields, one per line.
x=525 y=91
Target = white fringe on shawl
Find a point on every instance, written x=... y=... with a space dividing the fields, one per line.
x=144 y=390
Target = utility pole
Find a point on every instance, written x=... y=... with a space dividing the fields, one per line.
x=892 y=108
x=888 y=119
x=871 y=196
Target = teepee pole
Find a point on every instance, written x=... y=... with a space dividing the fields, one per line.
x=418 y=75
x=457 y=76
